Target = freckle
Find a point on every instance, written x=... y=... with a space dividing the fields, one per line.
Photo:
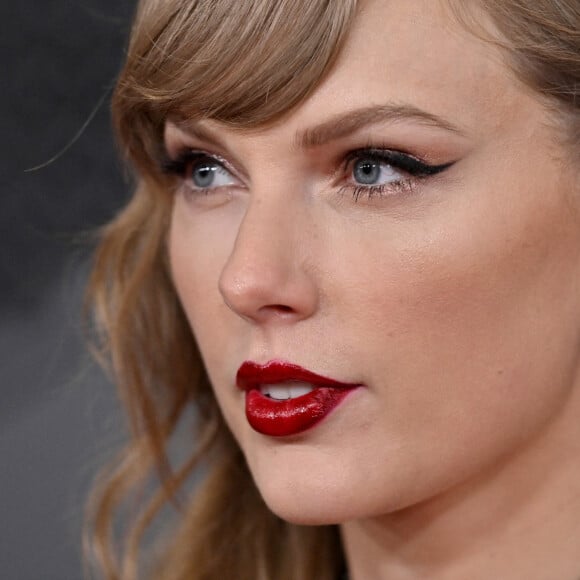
x=500 y=372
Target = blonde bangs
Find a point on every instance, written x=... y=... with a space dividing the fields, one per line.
x=244 y=67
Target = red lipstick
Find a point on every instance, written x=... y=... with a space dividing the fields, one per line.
x=284 y=417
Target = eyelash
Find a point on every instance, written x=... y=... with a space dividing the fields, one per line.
x=180 y=164
x=398 y=160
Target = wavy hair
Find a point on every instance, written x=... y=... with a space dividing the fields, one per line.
x=244 y=64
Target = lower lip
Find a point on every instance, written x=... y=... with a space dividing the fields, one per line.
x=281 y=418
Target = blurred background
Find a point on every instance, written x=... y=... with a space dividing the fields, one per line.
x=58 y=414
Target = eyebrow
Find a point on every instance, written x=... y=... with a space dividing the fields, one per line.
x=340 y=126
x=195 y=129
x=345 y=124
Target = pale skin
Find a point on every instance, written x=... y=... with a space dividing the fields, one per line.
x=455 y=301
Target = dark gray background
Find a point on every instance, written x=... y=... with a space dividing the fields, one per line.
x=58 y=415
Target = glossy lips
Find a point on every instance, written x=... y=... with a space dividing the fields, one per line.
x=286 y=417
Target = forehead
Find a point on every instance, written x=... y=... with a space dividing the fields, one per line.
x=416 y=52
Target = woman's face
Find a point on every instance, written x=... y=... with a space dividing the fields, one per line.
x=451 y=294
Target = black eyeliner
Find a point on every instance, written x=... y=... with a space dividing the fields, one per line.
x=399 y=160
x=178 y=165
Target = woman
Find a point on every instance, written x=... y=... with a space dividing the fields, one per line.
x=355 y=250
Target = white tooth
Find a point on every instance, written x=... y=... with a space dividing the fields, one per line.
x=284 y=391
x=277 y=392
x=298 y=391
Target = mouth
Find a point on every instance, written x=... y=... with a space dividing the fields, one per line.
x=284 y=399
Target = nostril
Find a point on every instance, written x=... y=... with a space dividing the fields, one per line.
x=279 y=308
x=275 y=311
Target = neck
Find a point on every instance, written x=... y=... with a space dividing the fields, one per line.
x=519 y=520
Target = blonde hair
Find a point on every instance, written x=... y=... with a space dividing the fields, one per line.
x=245 y=64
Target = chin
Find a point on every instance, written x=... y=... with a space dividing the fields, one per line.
x=312 y=502
x=305 y=485
x=307 y=513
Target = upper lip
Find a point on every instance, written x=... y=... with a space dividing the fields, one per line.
x=252 y=375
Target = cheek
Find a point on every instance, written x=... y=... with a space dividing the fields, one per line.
x=198 y=248
x=469 y=327
x=492 y=280
x=199 y=245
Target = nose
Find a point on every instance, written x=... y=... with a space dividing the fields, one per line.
x=267 y=277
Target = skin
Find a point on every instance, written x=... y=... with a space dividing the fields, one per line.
x=455 y=301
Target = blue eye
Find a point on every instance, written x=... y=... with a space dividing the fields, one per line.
x=200 y=171
x=209 y=174
x=385 y=172
x=368 y=171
